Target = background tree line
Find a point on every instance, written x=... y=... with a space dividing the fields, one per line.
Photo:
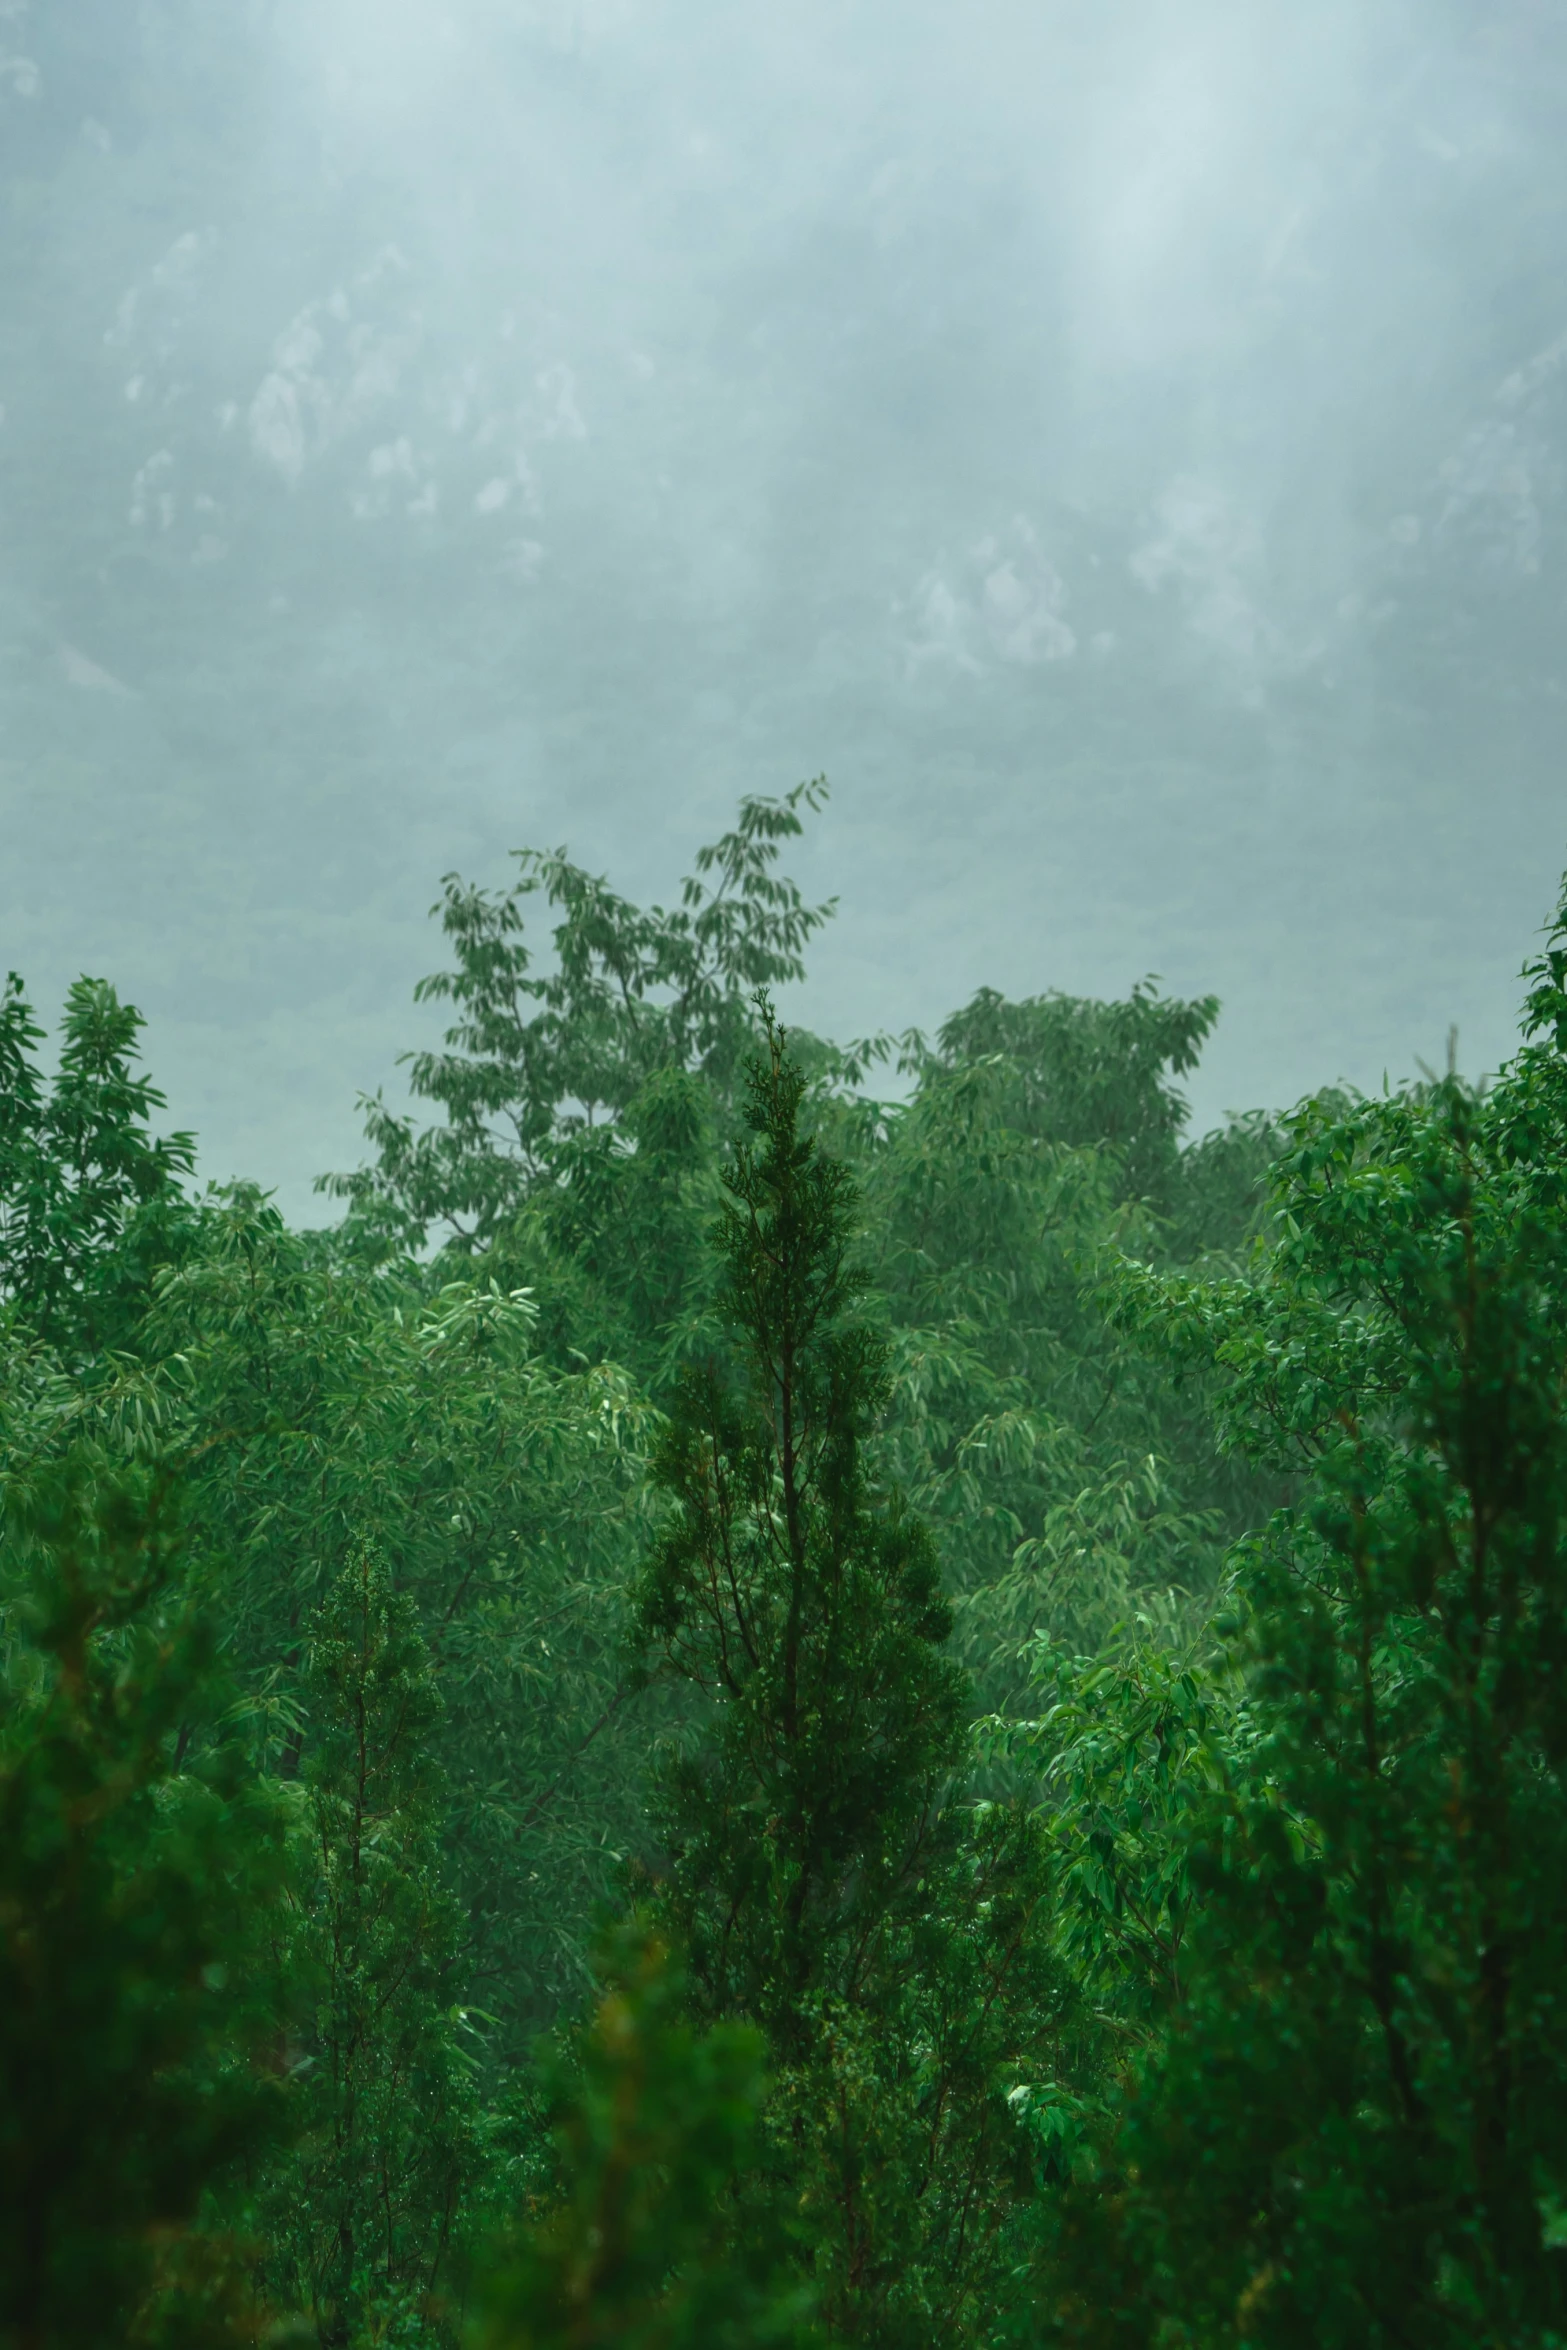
x=754 y=1705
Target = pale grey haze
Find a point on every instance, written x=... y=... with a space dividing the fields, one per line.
x=1123 y=444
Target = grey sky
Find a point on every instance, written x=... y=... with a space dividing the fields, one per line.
x=1122 y=444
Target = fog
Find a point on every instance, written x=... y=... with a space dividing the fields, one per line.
x=1120 y=444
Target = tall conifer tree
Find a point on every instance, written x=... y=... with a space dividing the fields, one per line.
x=825 y=1884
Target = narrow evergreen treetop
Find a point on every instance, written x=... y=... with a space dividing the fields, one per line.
x=813 y=1618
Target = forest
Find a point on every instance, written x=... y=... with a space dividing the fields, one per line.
x=783 y=1691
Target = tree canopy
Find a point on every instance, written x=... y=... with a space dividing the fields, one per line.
x=750 y=1710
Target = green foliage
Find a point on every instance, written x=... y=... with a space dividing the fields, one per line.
x=536 y=1062
x=89 y=1201
x=1072 y=1478
x=825 y=1885
x=656 y=2125
x=1127 y=1750
x=1071 y=1482
x=1355 y=2129
x=615 y=1246
x=136 y=1855
x=363 y=2219
x=315 y=1406
x=814 y=1621
x=1091 y=1075
x=1209 y=1994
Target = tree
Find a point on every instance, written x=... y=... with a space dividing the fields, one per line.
x=314 y=1404
x=1354 y=2131
x=655 y=2125
x=89 y=1200
x=1071 y=1473
x=1099 y=1076
x=136 y=1853
x=537 y=1061
x=366 y=2220
x=827 y=1887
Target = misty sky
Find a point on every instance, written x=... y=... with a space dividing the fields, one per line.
x=1123 y=444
